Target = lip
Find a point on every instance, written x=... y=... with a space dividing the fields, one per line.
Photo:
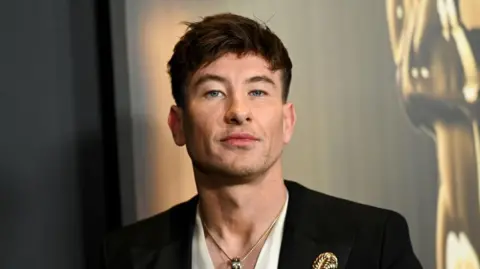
x=240 y=136
x=242 y=140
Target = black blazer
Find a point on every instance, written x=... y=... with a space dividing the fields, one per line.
x=360 y=236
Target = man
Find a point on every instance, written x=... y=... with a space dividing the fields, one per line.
x=230 y=79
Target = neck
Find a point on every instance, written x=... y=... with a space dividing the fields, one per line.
x=240 y=214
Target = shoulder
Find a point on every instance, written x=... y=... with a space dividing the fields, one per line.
x=340 y=208
x=366 y=220
x=153 y=232
x=339 y=215
x=378 y=236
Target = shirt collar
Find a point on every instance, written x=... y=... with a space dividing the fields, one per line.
x=269 y=254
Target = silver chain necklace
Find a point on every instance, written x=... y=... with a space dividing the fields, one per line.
x=236 y=262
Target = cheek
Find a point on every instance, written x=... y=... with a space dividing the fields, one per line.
x=273 y=124
x=279 y=129
x=201 y=127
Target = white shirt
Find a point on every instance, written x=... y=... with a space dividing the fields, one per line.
x=269 y=255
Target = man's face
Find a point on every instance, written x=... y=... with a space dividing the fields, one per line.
x=234 y=122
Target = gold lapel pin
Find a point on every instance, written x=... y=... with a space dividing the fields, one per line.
x=326 y=260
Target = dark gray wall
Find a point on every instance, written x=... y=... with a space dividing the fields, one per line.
x=123 y=110
x=52 y=164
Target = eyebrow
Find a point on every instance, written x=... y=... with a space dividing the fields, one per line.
x=212 y=77
x=261 y=79
x=208 y=77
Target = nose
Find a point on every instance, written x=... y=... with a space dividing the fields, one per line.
x=238 y=112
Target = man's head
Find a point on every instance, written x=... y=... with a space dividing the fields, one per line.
x=230 y=79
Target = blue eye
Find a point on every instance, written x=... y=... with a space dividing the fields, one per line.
x=257 y=93
x=213 y=94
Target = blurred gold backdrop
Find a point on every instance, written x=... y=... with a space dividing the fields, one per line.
x=435 y=44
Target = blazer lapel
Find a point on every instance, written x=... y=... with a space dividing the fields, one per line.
x=312 y=228
x=174 y=255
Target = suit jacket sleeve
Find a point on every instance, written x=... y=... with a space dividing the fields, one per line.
x=397 y=251
x=103 y=257
x=114 y=255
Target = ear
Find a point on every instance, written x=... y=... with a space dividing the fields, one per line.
x=289 y=119
x=175 y=122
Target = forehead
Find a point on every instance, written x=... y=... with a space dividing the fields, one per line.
x=234 y=66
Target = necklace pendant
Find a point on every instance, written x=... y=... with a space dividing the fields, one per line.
x=236 y=263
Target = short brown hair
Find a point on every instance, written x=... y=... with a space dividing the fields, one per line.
x=209 y=39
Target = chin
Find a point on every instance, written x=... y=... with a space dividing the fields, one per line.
x=234 y=173
x=240 y=171
x=244 y=173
